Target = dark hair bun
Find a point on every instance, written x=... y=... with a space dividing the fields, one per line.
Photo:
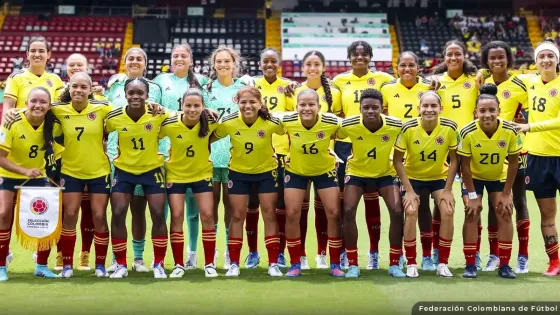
x=489 y=88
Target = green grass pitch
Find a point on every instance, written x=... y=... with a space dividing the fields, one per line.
x=255 y=292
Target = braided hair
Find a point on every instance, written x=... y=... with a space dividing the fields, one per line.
x=324 y=79
x=191 y=76
x=351 y=50
x=140 y=79
x=203 y=132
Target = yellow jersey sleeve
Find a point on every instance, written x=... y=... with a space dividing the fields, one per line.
x=13 y=85
x=402 y=140
x=222 y=129
x=464 y=147
x=5 y=139
x=58 y=87
x=515 y=144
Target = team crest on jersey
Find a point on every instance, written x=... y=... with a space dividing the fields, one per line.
x=371 y=81
x=114 y=182
x=286 y=178
x=553 y=92
x=280 y=89
x=148 y=127
x=420 y=95
x=169 y=185
x=230 y=184
x=346 y=179
x=39 y=205
x=320 y=135
x=440 y=140
x=62 y=182
x=385 y=138
x=1 y=180
x=501 y=144
x=235 y=99
x=324 y=98
x=527 y=180
x=467 y=85
x=261 y=133
x=91 y=116
x=506 y=94
x=49 y=83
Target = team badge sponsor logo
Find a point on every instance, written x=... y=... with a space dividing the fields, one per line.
x=420 y=95
x=527 y=180
x=280 y=89
x=39 y=205
x=230 y=184
x=91 y=116
x=440 y=140
x=320 y=135
x=234 y=99
x=114 y=182
x=346 y=179
x=286 y=178
x=371 y=81
x=553 y=92
x=385 y=138
x=467 y=85
x=148 y=127
x=506 y=94
x=501 y=144
x=62 y=182
x=261 y=133
x=324 y=98
x=49 y=83
x=169 y=185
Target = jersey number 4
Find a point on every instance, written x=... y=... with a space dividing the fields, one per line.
x=431 y=156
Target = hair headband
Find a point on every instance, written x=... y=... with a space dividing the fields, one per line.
x=547 y=46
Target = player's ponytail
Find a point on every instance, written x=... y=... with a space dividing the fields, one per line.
x=327 y=89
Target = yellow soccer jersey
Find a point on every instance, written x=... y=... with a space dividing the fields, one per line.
x=427 y=154
x=512 y=94
x=137 y=141
x=21 y=82
x=24 y=145
x=84 y=156
x=309 y=148
x=371 y=152
x=488 y=155
x=273 y=97
x=351 y=88
x=251 y=149
x=458 y=98
x=189 y=156
x=402 y=102
x=336 y=107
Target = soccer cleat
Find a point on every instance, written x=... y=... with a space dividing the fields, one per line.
x=178 y=272
x=443 y=271
x=336 y=271
x=522 y=264
x=435 y=256
x=190 y=261
x=227 y=260
x=506 y=272
x=43 y=271
x=428 y=264
x=373 y=261
x=343 y=260
x=67 y=272
x=321 y=261
x=252 y=260
x=493 y=262
x=111 y=268
x=470 y=272
x=395 y=271
x=159 y=272
x=210 y=271
x=100 y=272
x=553 y=268
x=295 y=271
x=402 y=262
x=274 y=270
x=119 y=273
x=9 y=259
x=353 y=272
x=59 y=264
x=233 y=271
x=139 y=266
x=304 y=263
x=216 y=255
x=84 y=262
x=281 y=260
x=478 y=261
x=412 y=271
x=3 y=274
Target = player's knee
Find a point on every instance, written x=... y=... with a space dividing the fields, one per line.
x=332 y=212
x=238 y=216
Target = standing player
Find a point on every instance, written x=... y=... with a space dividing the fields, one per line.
x=400 y=97
x=486 y=144
x=138 y=163
x=310 y=160
x=330 y=102
x=427 y=141
x=351 y=84
x=369 y=167
x=253 y=167
x=512 y=94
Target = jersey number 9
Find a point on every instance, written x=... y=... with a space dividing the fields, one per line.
x=248 y=147
x=273 y=102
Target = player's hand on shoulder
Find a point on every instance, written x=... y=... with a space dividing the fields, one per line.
x=434 y=82
x=214 y=114
x=290 y=90
x=521 y=127
x=155 y=108
x=98 y=90
x=10 y=115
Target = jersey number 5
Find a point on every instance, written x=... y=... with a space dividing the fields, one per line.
x=456 y=101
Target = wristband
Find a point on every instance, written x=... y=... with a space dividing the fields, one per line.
x=472 y=196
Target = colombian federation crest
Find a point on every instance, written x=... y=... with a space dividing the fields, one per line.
x=385 y=138
x=39 y=205
x=346 y=179
x=440 y=140
x=553 y=92
x=371 y=81
x=91 y=116
x=286 y=178
x=527 y=180
x=169 y=185
x=148 y=127
x=320 y=135
x=467 y=85
x=506 y=94
x=49 y=83
x=234 y=99
x=501 y=144
x=230 y=184
x=261 y=133
x=280 y=89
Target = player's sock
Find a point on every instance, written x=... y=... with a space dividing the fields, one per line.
x=523 y=236
x=435 y=233
x=479 y=239
x=119 y=250
x=342 y=249
x=321 y=225
x=4 y=246
x=352 y=256
x=493 y=239
x=373 y=220
x=281 y=220
x=303 y=227
x=67 y=243
x=394 y=255
x=294 y=248
x=504 y=248
x=426 y=240
x=138 y=248
x=43 y=257
x=101 y=243
x=234 y=247
x=178 y=247
x=86 y=225
x=160 y=248
x=252 y=229
x=444 y=249
x=193 y=223
x=552 y=251
x=335 y=245
x=272 y=246
x=227 y=235
x=469 y=250
x=209 y=244
x=410 y=251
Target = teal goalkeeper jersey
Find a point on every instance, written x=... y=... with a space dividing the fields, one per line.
x=222 y=99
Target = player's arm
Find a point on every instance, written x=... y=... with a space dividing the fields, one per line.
x=464 y=150
x=546 y=125
x=341 y=133
x=59 y=89
x=6 y=141
x=219 y=133
x=10 y=94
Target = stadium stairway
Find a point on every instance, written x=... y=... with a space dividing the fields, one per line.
x=273 y=38
x=533 y=29
x=395 y=44
x=1 y=20
x=128 y=35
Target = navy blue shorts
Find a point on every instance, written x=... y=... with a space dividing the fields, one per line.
x=323 y=181
x=10 y=183
x=343 y=150
x=522 y=159
x=53 y=169
x=201 y=186
x=152 y=182
x=542 y=175
x=243 y=184
x=492 y=186
x=99 y=185
x=371 y=184
x=430 y=185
